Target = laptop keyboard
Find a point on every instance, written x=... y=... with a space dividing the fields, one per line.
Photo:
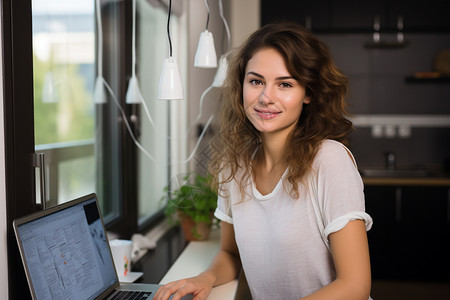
x=129 y=295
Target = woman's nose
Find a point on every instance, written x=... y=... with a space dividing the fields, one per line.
x=266 y=96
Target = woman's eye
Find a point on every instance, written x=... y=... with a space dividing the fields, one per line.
x=285 y=84
x=255 y=82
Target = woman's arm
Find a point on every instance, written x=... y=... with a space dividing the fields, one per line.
x=224 y=268
x=350 y=252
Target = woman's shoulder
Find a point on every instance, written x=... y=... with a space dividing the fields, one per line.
x=328 y=146
x=331 y=151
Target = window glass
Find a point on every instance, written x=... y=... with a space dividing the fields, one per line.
x=81 y=139
x=64 y=70
x=69 y=127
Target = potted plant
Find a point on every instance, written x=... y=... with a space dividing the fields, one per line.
x=192 y=203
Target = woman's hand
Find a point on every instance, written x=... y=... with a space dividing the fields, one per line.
x=200 y=286
x=224 y=268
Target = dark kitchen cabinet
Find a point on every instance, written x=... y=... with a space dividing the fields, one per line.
x=418 y=16
x=414 y=16
x=410 y=238
x=353 y=16
x=313 y=14
x=380 y=205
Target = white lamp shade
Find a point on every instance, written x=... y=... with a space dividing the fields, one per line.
x=205 y=57
x=48 y=90
x=170 y=85
x=221 y=73
x=133 y=95
x=99 y=91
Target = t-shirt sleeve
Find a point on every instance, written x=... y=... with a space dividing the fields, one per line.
x=223 y=211
x=340 y=188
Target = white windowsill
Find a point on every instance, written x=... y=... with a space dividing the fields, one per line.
x=196 y=258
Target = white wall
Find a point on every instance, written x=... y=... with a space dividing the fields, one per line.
x=3 y=241
x=243 y=19
x=199 y=79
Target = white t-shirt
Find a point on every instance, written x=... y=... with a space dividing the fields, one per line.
x=283 y=242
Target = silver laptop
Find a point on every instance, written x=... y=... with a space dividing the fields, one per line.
x=66 y=254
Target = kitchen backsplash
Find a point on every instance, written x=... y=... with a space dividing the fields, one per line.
x=378 y=87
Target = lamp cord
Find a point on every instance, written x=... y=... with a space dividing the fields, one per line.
x=133 y=42
x=124 y=118
x=207 y=18
x=168 y=29
x=136 y=142
x=100 y=40
x=225 y=23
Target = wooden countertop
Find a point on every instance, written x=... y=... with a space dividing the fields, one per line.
x=425 y=181
x=195 y=259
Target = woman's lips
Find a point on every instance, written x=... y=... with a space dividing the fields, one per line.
x=266 y=114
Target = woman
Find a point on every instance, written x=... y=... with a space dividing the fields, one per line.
x=290 y=196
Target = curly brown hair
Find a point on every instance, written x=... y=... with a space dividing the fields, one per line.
x=325 y=117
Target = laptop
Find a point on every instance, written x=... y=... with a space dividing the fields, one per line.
x=66 y=254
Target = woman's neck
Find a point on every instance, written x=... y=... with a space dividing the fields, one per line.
x=272 y=151
x=269 y=164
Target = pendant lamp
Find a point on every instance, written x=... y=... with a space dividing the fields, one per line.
x=170 y=85
x=99 y=91
x=221 y=73
x=206 y=57
x=133 y=95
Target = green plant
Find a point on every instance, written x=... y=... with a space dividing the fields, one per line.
x=194 y=198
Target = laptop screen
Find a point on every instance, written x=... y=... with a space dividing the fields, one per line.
x=66 y=252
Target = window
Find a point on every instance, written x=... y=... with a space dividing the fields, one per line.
x=51 y=49
x=64 y=112
x=70 y=129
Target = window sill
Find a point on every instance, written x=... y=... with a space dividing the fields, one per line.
x=196 y=258
x=155 y=263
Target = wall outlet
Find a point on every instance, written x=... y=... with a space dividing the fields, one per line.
x=404 y=131
x=377 y=131
x=390 y=131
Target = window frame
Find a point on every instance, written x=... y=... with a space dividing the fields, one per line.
x=19 y=130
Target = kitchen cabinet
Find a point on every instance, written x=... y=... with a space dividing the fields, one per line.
x=353 y=16
x=426 y=16
x=380 y=205
x=415 y=16
x=410 y=237
x=438 y=80
x=313 y=14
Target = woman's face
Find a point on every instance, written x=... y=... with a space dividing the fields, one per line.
x=273 y=99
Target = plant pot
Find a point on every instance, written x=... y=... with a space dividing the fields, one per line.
x=192 y=231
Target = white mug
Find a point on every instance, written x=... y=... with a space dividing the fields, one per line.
x=121 y=252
